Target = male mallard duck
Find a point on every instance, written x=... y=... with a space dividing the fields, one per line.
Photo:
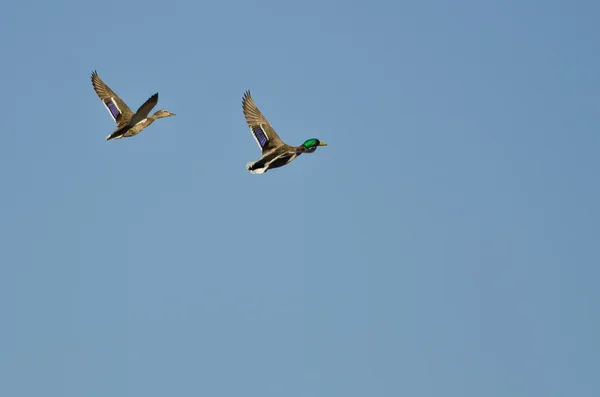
x=128 y=123
x=275 y=153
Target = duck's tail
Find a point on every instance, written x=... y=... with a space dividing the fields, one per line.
x=255 y=170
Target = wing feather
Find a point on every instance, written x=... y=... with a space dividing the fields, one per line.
x=143 y=111
x=265 y=136
x=118 y=109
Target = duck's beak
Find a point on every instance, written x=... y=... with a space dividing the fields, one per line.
x=322 y=144
x=172 y=114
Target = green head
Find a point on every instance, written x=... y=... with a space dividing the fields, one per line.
x=312 y=144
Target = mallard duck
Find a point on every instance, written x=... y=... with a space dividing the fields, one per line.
x=275 y=153
x=128 y=123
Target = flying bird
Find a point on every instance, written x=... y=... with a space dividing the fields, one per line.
x=275 y=153
x=128 y=123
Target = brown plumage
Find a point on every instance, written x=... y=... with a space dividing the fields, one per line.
x=128 y=123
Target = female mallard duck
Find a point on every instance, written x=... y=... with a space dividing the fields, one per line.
x=128 y=123
x=275 y=153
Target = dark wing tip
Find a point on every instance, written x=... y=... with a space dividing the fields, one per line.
x=246 y=96
x=96 y=82
x=154 y=99
x=247 y=101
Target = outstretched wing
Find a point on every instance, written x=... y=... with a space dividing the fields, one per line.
x=118 y=110
x=143 y=111
x=265 y=136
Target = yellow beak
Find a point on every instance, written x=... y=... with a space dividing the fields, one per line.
x=322 y=144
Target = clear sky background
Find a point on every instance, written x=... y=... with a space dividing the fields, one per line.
x=445 y=243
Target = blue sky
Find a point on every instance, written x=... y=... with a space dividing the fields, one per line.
x=443 y=244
